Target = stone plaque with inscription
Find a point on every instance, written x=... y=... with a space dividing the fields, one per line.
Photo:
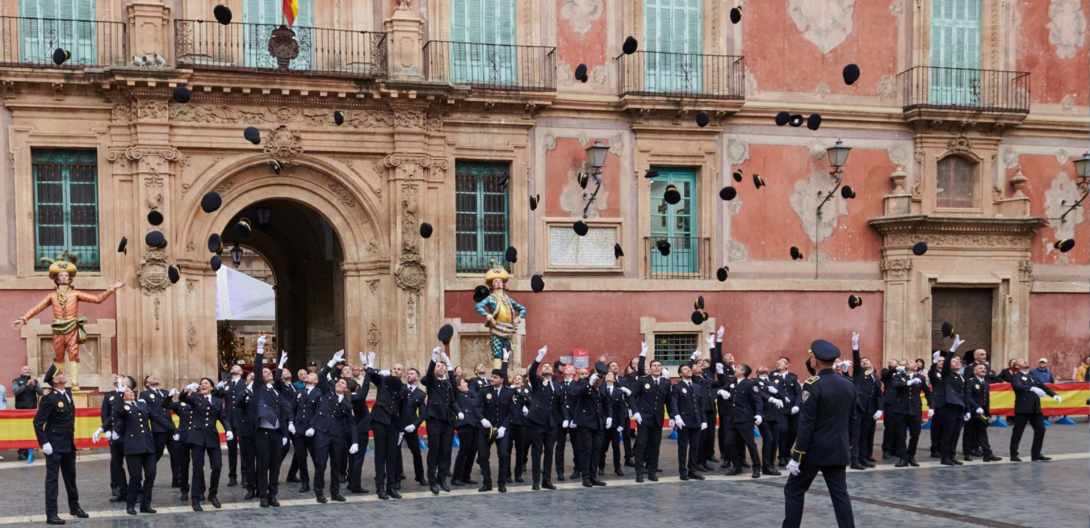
x=569 y=250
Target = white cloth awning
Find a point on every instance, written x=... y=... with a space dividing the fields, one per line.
x=242 y=298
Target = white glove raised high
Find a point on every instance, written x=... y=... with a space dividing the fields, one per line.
x=501 y=432
x=711 y=341
x=435 y=354
x=354 y=449
x=855 y=341
x=719 y=368
x=541 y=353
x=958 y=341
x=506 y=355
x=336 y=358
x=935 y=356
x=363 y=360
x=638 y=418
x=758 y=420
x=665 y=372
x=594 y=378
x=488 y=425
x=719 y=334
x=695 y=355
x=371 y=359
x=643 y=349
x=793 y=468
x=261 y=345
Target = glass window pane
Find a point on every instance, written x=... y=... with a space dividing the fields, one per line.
x=66 y=205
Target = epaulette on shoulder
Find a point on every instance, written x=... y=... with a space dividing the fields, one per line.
x=812 y=380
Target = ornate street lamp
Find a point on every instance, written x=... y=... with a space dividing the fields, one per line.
x=264 y=212
x=838 y=156
x=236 y=255
x=1082 y=172
x=596 y=155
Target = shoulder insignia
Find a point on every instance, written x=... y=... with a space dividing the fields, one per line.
x=182 y=403
x=806 y=394
x=60 y=405
x=112 y=398
x=812 y=380
x=756 y=389
x=127 y=408
x=152 y=395
x=488 y=396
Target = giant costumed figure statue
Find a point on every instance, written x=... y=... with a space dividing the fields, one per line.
x=503 y=315
x=68 y=332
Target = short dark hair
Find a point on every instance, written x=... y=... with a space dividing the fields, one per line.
x=746 y=370
x=785 y=359
x=653 y=361
x=414 y=370
x=353 y=386
x=146 y=380
x=131 y=382
x=210 y=382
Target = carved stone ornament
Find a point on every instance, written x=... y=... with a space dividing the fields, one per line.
x=411 y=274
x=283 y=47
x=283 y=145
x=1025 y=270
x=373 y=335
x=896 y=269
x=826 y=23
x=966 y=241
x=960 y=144
x=151 y=273
x=342 y=194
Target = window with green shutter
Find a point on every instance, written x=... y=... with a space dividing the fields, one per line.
x=50 y=24
x=483 y=35
x=955 y=52
x=66 y=205
x=674 y=350
x=262 y=17
x=675 y=224
x=481 y=215
x=673 y=31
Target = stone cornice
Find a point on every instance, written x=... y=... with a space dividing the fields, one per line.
x=945 y=225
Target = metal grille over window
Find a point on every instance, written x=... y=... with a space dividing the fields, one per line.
x=955 y=183
x=66 y=206
x=674 y=349
x=481 y=209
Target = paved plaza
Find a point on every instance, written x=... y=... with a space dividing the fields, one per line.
x=999 y=495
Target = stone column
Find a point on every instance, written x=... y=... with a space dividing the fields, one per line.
x=149 y=28
x=405 y=31
x=897 y=317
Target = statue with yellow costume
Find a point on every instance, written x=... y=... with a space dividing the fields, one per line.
x=502 y=313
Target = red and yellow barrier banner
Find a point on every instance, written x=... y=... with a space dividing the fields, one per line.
x=1074 y=397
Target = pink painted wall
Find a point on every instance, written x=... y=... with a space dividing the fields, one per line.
x=1053 y=77
x=1058 y=330
x=760 y=326
x=781 y=58
x=581 y=38
x=768 y=225
x=563 y=162
x=1041 y=171
x=15 y=303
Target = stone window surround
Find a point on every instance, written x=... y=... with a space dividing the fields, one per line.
x=649 y=326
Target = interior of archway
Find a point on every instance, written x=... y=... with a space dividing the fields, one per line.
x=300 y=254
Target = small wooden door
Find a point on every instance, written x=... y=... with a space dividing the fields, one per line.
x=969 y=310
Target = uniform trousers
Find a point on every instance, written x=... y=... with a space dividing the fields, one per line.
x=896 y=424
x=914 y=423
x=724 y=423
x=590 y=445
x=887 y=434
x=862 y=438
x=440 y=445
x=707 y=438
x=562 y=436
x=739 y=435
x=936 y=434
x=629 y=432
x=329 y=451
x=544 y=443
x=215 y=461
x=141 y=468
x=521 y=447
x=951 y=418
x=648 y=441
x=976 y=436
x=789 y=430
x=65 y=465
x=412 y=441
x=467 y=453
x=247 y=448
x=385 y=456
x=485 y=440
x=117 y=468
x=303 y=445
x=355 y=462
x=183 y=467
x=164 y=442
x=795 y=494
x=1037 y=421
x=611 y=437
x=688 y=449
x=770 y=441
x=232 y=459
x=268 y=443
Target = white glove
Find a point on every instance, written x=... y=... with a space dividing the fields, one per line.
x=638 y=418
x=758 y=420
x=501 y=431
x=230 y=436
x=435 y=354
x=793 y=468
x=564 y=425
x=719 y=334
x=410 y=428
x=443 y=356
x=723 y=394
x=620 y=429
x=855 y=341
x=900 y=368
x=47 y=449
x=967 y=416
x=915 y=381
x=384 y=373
x=772 y=389
x=541 y=353
x=336 y=358
x=609 y=422
x=487 y=424
x=310 y=432
x=363 y=360
x=354 y=449
x=192 y=387
x=679 y=422
x=776 y=402
x=935 y=356
x=506 y=355
x=711 y=341
x=795 y=410
x=219 y=386
x=846 y=364
x=594 y=378
x=172 y=393
x=643 y=349
x=400 y=437
x=877 y=415
x=261 y=345
x=671 y=422
x=626 y=391
x=525 y=411
x=94 y=437
x=571 y=425
x=930 y=413
x=958 y=341
x=719 y=368
x=1058 y=398
x=177 y=437
x=666 y=372
x=291 y=428
x=371 y=359
x=703 y=425
x=461 y=416
x=283 y=358
x=1037 y=391
x=695 y=355
x=980 y=410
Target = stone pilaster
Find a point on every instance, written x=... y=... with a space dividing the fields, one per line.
x=149 y=28
x=406 y=34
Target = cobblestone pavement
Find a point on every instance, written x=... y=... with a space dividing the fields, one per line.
x=999 y=495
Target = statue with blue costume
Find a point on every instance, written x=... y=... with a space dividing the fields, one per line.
x=502 y=313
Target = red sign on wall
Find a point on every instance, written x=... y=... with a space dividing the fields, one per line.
x=580 y=357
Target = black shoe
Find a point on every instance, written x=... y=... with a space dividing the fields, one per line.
x=457 y=482
x=382 y=495
x=147 y=509
x=249 y=495
x=639 y=477
x=725 y=464
x=78 y=512
x=756 y=473
x=443 y=485
x=597 y=481
x=548 y=485
x=886 y=456
x=587 y=483
x=957 y=462
x=1040 y=458
x=912 y=462
x=293 y=478
x=200 y=497
x=503 y=487
x=947 y=462
x=868 y=463
x=734 y=472
x=469 y=481
x=131 y=510
x=619 y=472
x=197 y=507
x=215 y=502
x=320 y=498
x=858 y=467
x=683 y=477
x=871 y=459
x=393 y=494
x=484 y=487
x=117 y=499
x=902 y=463
x=518 y=478
x=704 y=467
x=992 y=458
x=771 y=471
x=337 y=497
x=1015 y=458
x=628 y=462
x=696 y=476
x=54 y=520
x=936 y=454
x=234 y=482
x=968 y=458
x=653 y=477
x=264 y=502
x=560 y=476
x=575 y=474
x=421 y=481
x=536 y=487
x=977 y=452
x=304 y=488
x=434 y=489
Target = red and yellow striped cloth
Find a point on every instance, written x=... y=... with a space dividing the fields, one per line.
x=291 y=10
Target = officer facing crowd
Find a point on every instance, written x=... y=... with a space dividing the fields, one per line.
x=55 y=427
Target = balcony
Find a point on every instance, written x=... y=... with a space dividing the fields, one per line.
x=200 y=44
x=31 y=42
x=491 y=66
x=651 y=73
x=933 y=92
x=689 y=258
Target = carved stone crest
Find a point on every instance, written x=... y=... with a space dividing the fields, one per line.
x=152 y=272
x=284 y=144
x=283 y=46
x=959 y=144
x=896 y=269
x=411 y=274
x=805 y=202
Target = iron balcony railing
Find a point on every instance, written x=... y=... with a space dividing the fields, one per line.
x=491 y=66
x=239 y=46
x=688 y=257
x=32 y=41
x=965 y=89
x=682 y=75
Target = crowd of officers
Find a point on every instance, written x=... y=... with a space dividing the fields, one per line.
x=531 y=417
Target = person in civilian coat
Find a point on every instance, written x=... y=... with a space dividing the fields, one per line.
x=26 y=390
x=135 y=419
x=55 y=429
x=443 y=411
x=494 y=409
x=203 y=439
x=385 y=416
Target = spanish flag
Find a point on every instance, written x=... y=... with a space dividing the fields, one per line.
x=291 y=10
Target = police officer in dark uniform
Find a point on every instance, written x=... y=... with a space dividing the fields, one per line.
x=613 y=395
x=826 y=405
x=287 y=404
x=184 y=412
x=648 y=404
x=771 y=391
x=687 y=410
x=591 y=417
x=723 y=377
x=362 y=416
x=266 y=410
x=705 y=379
x=789 y=424
x=443 y=411
x=246 y=431
x=566 y=429
x=466 y=426
x=747 y=410
x=414 y=409
x=331 y=426
x=494 y=409
x=306 y=406
x=953 y=409
x=545 y=418
x=520 y=425
x=976 y=428
x=55 y=428
x=868 y=394
x=135 y=418
x=1027 y=410
x=230 y=392
x=384 y=419
x=897 y=381
x=158 y=399
x=119 y=487
x=203 y=439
